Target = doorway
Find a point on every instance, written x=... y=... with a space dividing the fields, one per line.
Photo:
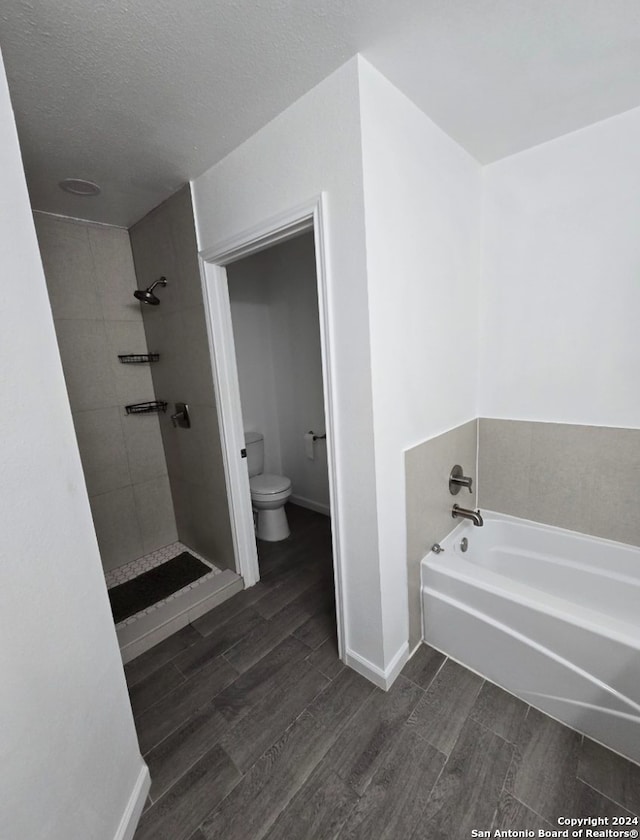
x=308 y=219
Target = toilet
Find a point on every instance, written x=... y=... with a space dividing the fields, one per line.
x=269 y=492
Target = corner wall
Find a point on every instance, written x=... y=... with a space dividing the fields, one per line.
x=70 y=766
x=312 y=147
x=422 y=196
x=91 y=280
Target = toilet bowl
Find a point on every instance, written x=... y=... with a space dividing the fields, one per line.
x=269 y=493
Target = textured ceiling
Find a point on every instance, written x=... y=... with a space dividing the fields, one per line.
x=140 y=96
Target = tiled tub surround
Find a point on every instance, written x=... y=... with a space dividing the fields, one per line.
x=164 y=244
x=90 y=279
x=146 y=628
x=583 y=478
x=546 y=613
x=429 y=503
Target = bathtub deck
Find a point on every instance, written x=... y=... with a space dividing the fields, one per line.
x=253 y=729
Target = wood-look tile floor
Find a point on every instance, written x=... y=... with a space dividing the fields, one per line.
x=252 y=728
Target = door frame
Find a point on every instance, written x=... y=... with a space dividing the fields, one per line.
x=309 y=216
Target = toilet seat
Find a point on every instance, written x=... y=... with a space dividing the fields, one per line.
x=267 y=484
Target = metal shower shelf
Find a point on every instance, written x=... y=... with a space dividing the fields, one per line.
x=152 y=407
x=139 y=358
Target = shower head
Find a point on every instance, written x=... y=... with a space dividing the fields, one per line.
x=147 y=296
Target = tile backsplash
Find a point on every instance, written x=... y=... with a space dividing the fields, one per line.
x=429 y=503
x=584 y=478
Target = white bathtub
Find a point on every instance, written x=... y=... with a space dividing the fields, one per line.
x=551 y=615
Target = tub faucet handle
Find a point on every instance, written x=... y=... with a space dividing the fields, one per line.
x=457 y=480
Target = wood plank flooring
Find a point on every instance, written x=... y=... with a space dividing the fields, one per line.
x=252 y=728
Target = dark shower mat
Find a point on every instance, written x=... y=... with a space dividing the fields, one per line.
x=147 y=589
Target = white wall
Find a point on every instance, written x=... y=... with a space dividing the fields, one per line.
x=422 y=203
x=315 y=146
x=250 y=315
x=274 y=310
x=295 y=339
x=69 y=757
x=561 y=280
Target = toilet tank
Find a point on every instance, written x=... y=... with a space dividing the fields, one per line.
x=254 y=443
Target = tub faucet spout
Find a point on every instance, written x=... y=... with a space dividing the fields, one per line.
x=474 y=515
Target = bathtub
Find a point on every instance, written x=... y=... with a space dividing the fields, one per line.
x=550 y=615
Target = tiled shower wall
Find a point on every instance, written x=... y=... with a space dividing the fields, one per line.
x=584 y=478
x=164 y=244
x=90 y=278
x=429 y=502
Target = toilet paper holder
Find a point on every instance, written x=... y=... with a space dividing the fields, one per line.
x=318 y=437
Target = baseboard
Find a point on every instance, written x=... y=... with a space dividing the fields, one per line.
x=384 y=679
x=301 y=501
x=135 y=806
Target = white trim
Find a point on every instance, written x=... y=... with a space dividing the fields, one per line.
x=384 y=679
x=302 y=501
x=217 y=308
x=308 y=216
x=135 y=806
x=277 y=229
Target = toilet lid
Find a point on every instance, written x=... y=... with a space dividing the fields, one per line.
x=266 y=484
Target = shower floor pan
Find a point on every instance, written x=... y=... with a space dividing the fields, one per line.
x=146 y=628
